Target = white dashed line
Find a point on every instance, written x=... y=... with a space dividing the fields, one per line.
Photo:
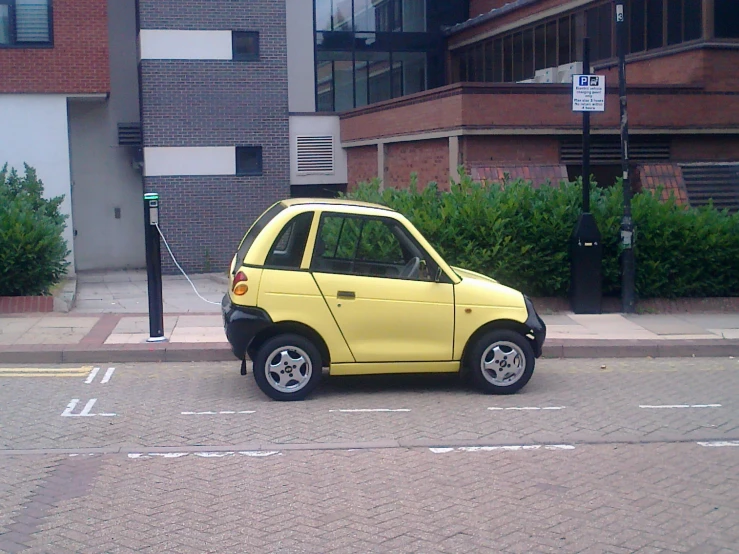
x=371 y=410
x=108 y=375
x=719 y=444
x=173 y=455
x=524 y=408
x=678 y=406
x=92 y=375
x=512 y=448
x=219 y=413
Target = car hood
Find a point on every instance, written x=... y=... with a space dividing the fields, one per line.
x=467 y=274
x=477 y=289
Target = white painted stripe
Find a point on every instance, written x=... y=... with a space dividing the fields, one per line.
x=108 y=375
x=678 y=406
x=173 y=455
x=719 y=444
x=91 y=377
x=86 y=410
x=525 y=408
x=511 y=448
x=259 y=454
x=219 y=413
x=163 y=161
x=156 y=44
x=70 y=407
x=365 y=410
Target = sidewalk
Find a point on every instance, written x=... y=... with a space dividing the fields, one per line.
x=109 y=323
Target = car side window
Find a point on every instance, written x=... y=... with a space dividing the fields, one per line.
x=367 y=246
x=289 y=246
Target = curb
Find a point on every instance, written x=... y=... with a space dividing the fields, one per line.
x=219 y=352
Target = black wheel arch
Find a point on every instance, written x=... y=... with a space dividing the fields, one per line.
x=507 y=324
x=292 y=327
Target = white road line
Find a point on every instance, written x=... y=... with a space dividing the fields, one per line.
x=365 y=410
x=219 y=413
x=108 y=375
x=678 y=406
x=70 y=408
x=503 y=448
x=85 y=411
x=92 y=375
x=172 y=455
x=531 y=408
x=719 y=444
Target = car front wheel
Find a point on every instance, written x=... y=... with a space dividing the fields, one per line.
x=287 y=367
x=501 y=362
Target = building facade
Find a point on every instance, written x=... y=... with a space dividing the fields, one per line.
x=224 y=106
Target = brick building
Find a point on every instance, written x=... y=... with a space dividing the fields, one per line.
x=224 y=106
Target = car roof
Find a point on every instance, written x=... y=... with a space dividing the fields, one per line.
x=333 y=202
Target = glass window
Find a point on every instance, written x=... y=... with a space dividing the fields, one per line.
x=508 y=59
x=564 y=41
x=341 y=15
x=245 y=45
x=528 y=54
x=551 y=44
x=727 y=19
x=287 y=250
x=518 y=57
x=4 y=24
x=413 y=72
x=605 y=32
x=379 y=76
x=325 y=85
x=323 y=15
x=248 y=160
x=253 y=232
x=540 y=44
x=655 y=23
x=344 y=83
x=694 y=19
x=414 y=16
x=24 y=22
x=637 y=25
x=674 y=23
x=364 y=15
x=497 y=61
x=479 y=63
x=378 y=244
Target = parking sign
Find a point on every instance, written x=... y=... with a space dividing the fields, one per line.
x=588 y=93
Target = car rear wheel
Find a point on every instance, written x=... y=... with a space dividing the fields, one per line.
x=287 y=367
x=501 y=362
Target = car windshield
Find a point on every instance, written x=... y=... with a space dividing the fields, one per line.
x=254 y=231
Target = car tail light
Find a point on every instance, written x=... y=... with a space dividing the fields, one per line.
x=240 y=288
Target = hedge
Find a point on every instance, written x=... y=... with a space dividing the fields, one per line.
x=520 y=235
x=32 y=250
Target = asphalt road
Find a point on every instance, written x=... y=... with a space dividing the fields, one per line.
x=635 y=455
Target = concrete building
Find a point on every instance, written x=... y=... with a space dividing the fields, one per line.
x=225 y=106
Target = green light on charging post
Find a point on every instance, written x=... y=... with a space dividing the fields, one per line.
x=151 y=196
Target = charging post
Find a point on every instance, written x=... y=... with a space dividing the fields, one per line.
x=154 y=268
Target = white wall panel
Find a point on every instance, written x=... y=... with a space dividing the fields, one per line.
x=178 y=161
x=185 y=45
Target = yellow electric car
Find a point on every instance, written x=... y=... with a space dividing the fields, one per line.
x=355 y=288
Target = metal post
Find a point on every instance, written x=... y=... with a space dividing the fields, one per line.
x=628 y=264
x=154 y=268
x=586 y=134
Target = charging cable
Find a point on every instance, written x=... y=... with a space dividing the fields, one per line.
x=182 y=270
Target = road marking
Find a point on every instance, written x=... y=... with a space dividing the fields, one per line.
x=531 y=408
x=365 y=410
x=719 y=444
x=174 y=455
x=218 y=413
x=43 y=371
x=93 y=374
x=108 y=375
x=85 y=411
x=503 y=448
x=677 y=406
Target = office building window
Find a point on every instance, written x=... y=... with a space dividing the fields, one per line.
x=727 y=19
x=25 y=23
x=248 y=160
x=245 y=45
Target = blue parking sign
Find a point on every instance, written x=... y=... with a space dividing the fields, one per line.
x=583 y=80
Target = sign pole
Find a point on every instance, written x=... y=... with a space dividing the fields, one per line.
x=586 y=134
x=628 y=261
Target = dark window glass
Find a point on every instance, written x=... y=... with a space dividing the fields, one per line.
x=5 y=24
x=479 y=63
x=694 y=19
x=361 y=80
x=592 y=22
x=488 y=53
x=325 y=86
x=528 y=54
x=245 y=45
x=413 y=16
x=518 y=57
x=379 y=79
x=605 y=32
x=341 y=15
x=577 y=32
x=378 y=244
x=564 y=41
x=552 y=44
x=253 y=232
x=248 y=160
x=498 y=60
x=323 y=15
x=343 y=84
x=364 y=15
x=655 y=22
x=508 y=59
x=25 y=22
x=288 y=249
x=727 y=19
x=540 y=42
x=637 y=25
x=674 y=23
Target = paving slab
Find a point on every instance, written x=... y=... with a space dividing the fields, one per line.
x=667 y=324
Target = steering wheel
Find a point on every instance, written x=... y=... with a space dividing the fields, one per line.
x=410 y=270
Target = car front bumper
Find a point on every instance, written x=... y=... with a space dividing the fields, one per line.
x=537 y=327
x=241 y=324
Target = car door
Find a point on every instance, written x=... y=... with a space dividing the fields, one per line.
x=376 y=281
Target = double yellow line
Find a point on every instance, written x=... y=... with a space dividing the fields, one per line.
x=44 y=371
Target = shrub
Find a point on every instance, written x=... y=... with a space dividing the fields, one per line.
x=32 y=250
x=520 y=235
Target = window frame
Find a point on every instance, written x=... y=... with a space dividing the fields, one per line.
x=297 y=238
x=245 y=57
x=254 y=173
x=14 y=44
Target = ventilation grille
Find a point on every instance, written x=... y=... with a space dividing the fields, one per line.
x=716 y=182
x=129 y=134
x=315 y=154
x=607 y=151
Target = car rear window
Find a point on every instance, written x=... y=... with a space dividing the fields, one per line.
x=254 y=231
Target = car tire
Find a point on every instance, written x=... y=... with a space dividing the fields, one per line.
x=287 y=367
x=501 y=362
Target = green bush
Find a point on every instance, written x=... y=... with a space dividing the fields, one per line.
x=32 y=250
x=520 y=236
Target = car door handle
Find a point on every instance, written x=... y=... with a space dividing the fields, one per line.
x=345 y=294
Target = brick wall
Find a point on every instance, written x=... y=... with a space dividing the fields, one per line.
x=77 y=63
x=217 y=103
x=362 y=164
x=428 y=158
x=509 y=149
